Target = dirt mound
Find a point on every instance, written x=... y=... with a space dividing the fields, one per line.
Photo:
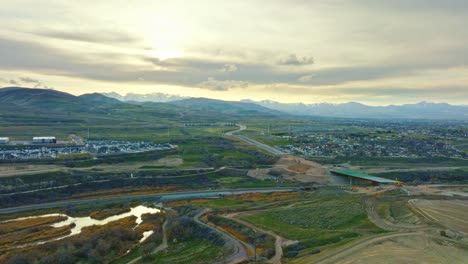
x=293 y=168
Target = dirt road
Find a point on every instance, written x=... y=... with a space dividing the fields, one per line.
x=279 y=243
x=239 y=255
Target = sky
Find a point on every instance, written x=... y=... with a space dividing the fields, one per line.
x=377 y=52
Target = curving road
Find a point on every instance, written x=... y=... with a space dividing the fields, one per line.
x=279 y=241
x=239 y=255
x=253 y=142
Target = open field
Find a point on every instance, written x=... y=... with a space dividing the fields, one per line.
x=452 y=214
x=415 y=248
x=314 y=223
x=195 y=251
x=397 y=212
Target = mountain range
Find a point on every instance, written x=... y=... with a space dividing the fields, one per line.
x=28 y=100
x=16 y=101
x=423 y=110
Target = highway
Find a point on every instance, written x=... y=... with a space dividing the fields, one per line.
x=158 y=197
x=253 y=142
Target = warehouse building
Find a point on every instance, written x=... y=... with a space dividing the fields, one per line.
x=44 y=140
x=4 y=140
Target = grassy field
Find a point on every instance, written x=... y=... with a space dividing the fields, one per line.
x=194 y=251
x=323 y=220
x=397 y=212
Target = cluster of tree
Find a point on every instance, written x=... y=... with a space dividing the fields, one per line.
x=99 y=245
x=88 y=187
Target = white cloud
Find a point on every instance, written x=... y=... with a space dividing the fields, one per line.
x=228 y=68
x=218 y=85
x=305 y=78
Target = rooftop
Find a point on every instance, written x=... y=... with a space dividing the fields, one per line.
x=38 y=138
x=363 y=176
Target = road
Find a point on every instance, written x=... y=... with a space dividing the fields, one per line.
x=213 y=170
x=253 y=142
x=156 y=196
x=239 y=255
x=280 y=242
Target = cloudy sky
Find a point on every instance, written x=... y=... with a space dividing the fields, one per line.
x=370 y=51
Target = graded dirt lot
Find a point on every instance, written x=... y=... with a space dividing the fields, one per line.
x=8 y=170
x=452 y=214
x=414 y=248
x=20 y=169
x=293 y=168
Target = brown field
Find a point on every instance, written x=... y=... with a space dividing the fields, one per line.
x=23 y=232
x=20 y=169
x=103 y=214
x=13 y=226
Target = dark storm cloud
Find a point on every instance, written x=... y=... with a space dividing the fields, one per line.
x=292 y=59
x=29 y=80
x=106 y=37
x=398 y=91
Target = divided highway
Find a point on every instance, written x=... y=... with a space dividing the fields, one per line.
x=253 y=142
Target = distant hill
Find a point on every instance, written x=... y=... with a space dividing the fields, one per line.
x=15 y=101
x=226 y=107
x=423 y=110
x=34 y=98
x=52 y=100
x=18 y=100
x=98 y=98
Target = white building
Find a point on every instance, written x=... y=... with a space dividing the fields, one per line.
x=44 y=140
x=4 y=140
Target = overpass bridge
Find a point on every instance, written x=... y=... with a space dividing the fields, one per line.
x=361 y=178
